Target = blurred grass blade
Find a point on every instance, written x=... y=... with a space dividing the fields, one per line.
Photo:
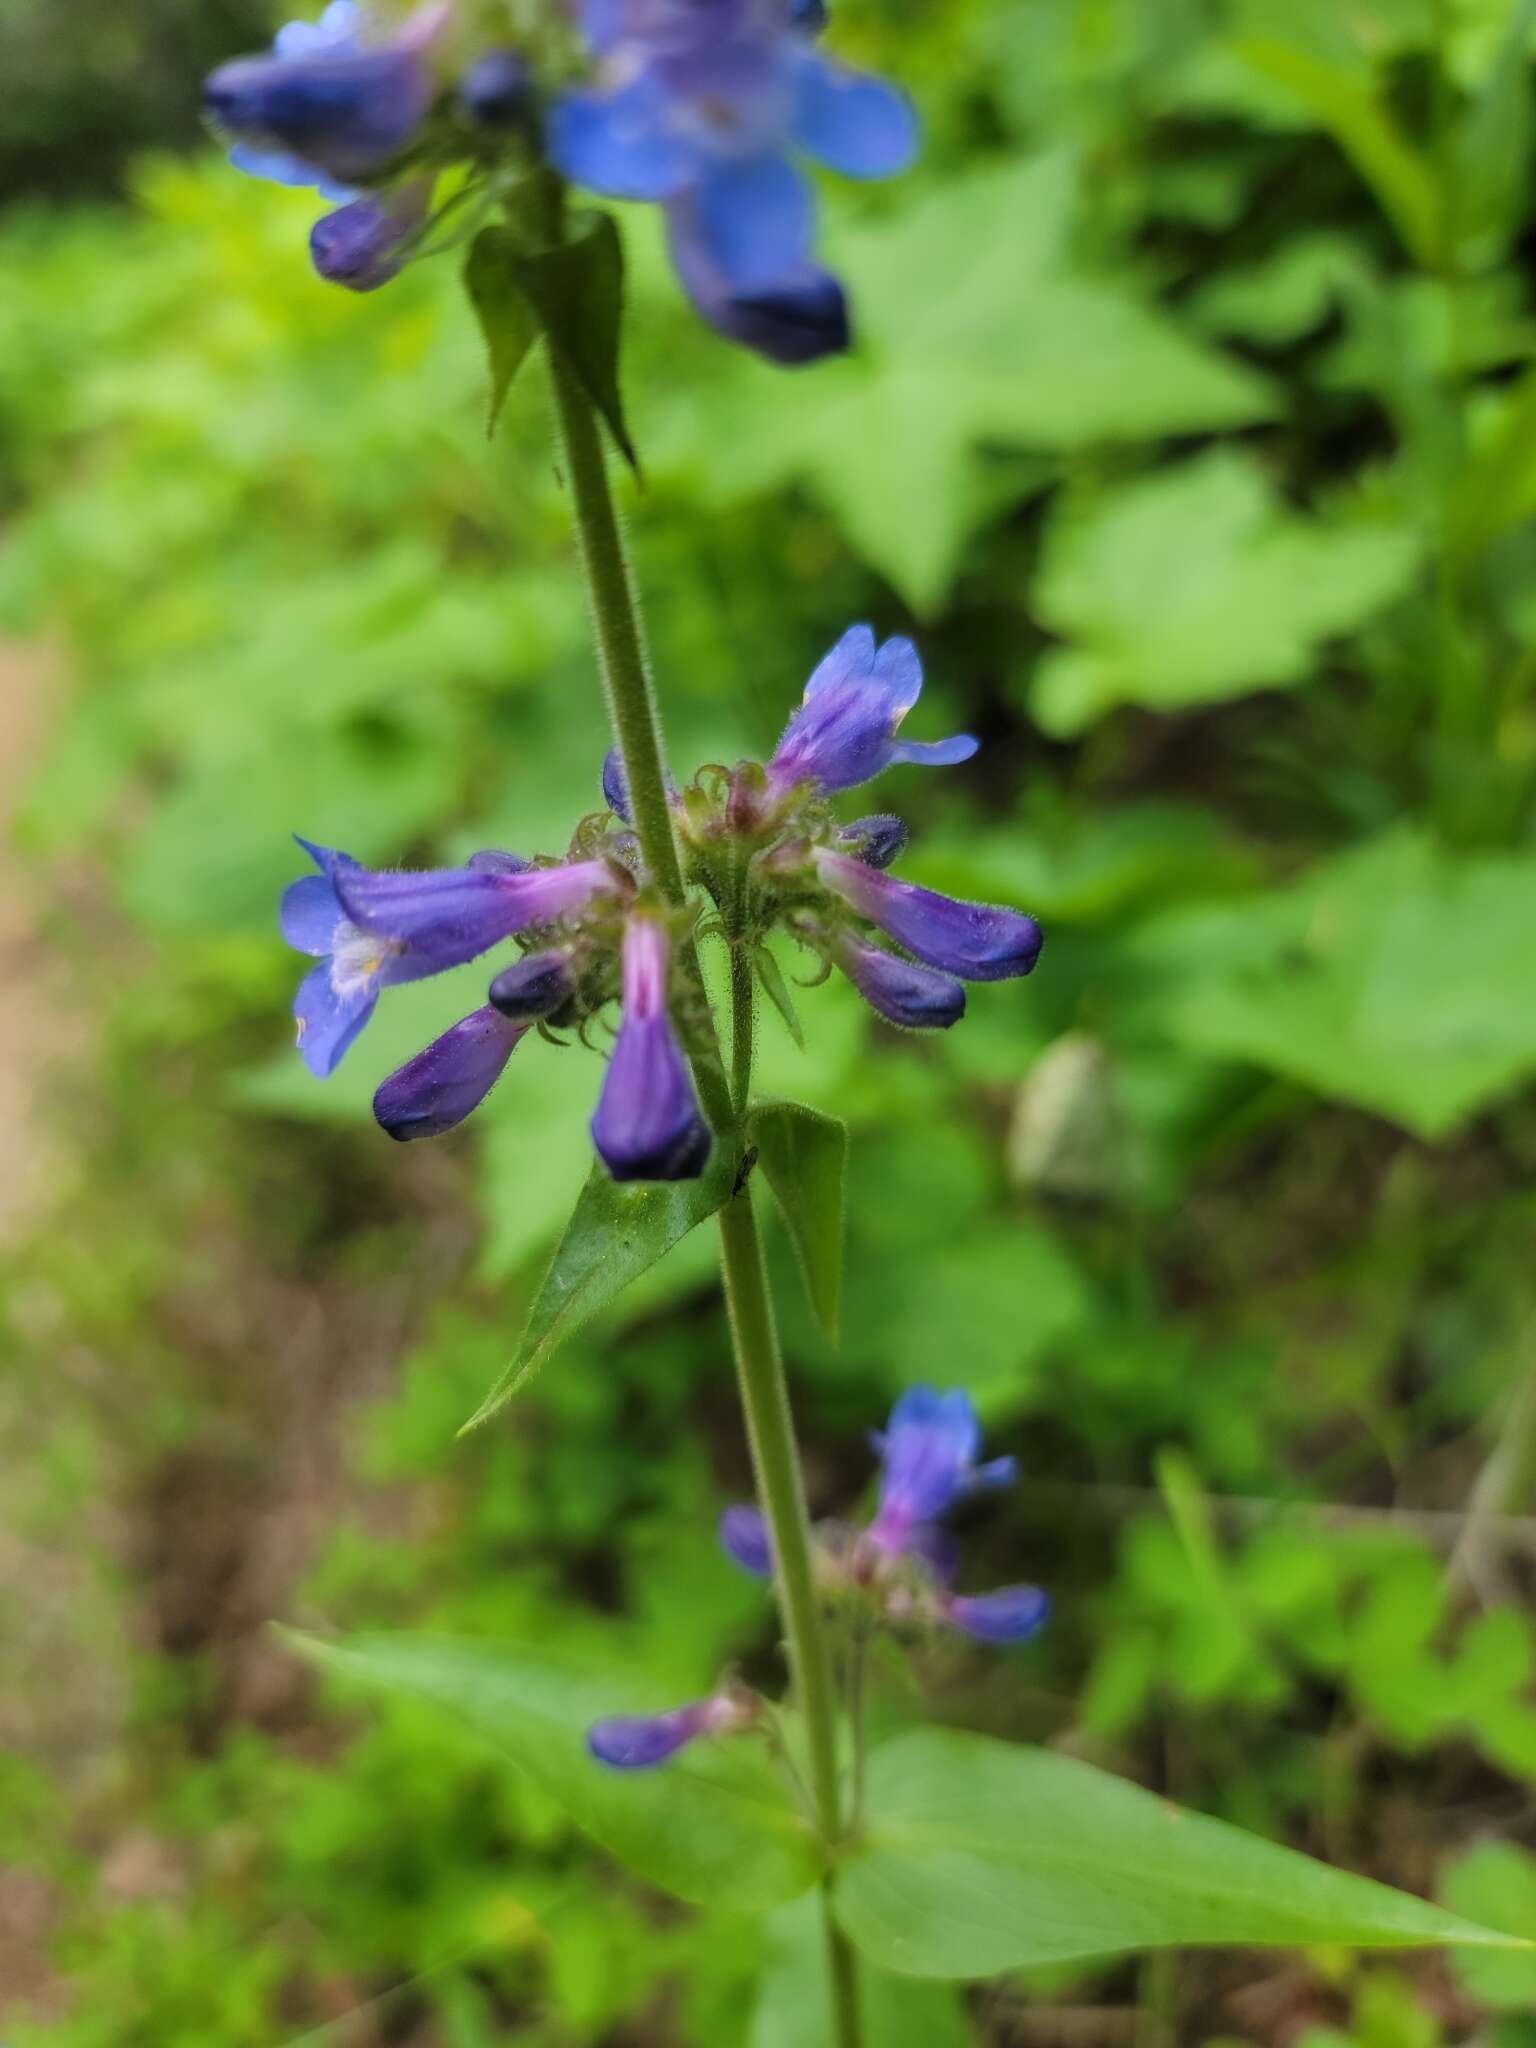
x=981 y=1857
x=1357 y=120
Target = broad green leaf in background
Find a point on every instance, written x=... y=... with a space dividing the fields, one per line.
x=981 y=1857
x=1196 y=584
x=716 y=1827
x=1493 y=145
x=615 y=1233
x=804 y=1158
x=794 y=2004
x=506 y=315
x=1495 y=1882
x=577 y=293
x=1027 y=346
x=1370 y=980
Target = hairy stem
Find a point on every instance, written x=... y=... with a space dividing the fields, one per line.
x=759 y=1365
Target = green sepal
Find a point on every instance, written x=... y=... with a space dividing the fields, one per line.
x=804 y=1158
x=614 y=1234
x=771 y=976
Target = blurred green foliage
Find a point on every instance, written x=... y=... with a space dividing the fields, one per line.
x=1193 y=429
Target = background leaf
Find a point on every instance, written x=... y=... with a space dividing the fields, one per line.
x=717 y=1819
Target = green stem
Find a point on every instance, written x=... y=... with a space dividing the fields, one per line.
x=759 y=1366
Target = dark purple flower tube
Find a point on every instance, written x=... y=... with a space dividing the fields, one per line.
x=648 y=1124
x=745 y=1540
x=844 y=732
x=796 y=318
x=437 y=1089
x=977 y=941
x=346 y=111
x=534 y=987
x=364 y=244
x=916 y=998
x=1011 y=1615
x=637 y=1742
x=876 y=841
x=928 y=1462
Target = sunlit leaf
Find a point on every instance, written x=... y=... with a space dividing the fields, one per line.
x=981 y=1857
x=716 y=1826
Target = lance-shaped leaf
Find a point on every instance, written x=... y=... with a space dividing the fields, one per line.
x=717 y=1826
x=804 y=1157
x=577 y=292
x=614 y=1234
x=980 y=1857
x=507 y=320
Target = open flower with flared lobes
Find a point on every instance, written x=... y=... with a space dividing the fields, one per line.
x=370 y=929
x=927 y=1463
x=648 y=1124
x=637 y=1742
x=699 y=108
x=976 y=941
x=844 y=732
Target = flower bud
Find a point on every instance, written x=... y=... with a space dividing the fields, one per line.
x=497 y=90
x=363 y=245
x=638 y=1742
x=744 y=1539
x=1011 y=1615
x=534 y=987
x=441 y=1085
x=877 y=841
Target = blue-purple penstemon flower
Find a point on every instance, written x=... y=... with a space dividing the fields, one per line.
x=648 y=1124
x=699 y=109
x=894 y=1574
x=844 y=732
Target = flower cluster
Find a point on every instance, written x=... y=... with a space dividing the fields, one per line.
x=894 y=1573
x=696 y=105
x=763 y=845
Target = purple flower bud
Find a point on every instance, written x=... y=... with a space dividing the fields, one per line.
x=974 y=940
x=497 y=89
x=648 y=1124
x=364 y=244
x=845 y=730
x=744 y=1539
x=637 y=1742
x=340 y=107
x=928 y=1461
x=441 y=1085
x=914 y=997
x=1011 y=1615
x=876 y=841
x=616 y=785
x=534 y=987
